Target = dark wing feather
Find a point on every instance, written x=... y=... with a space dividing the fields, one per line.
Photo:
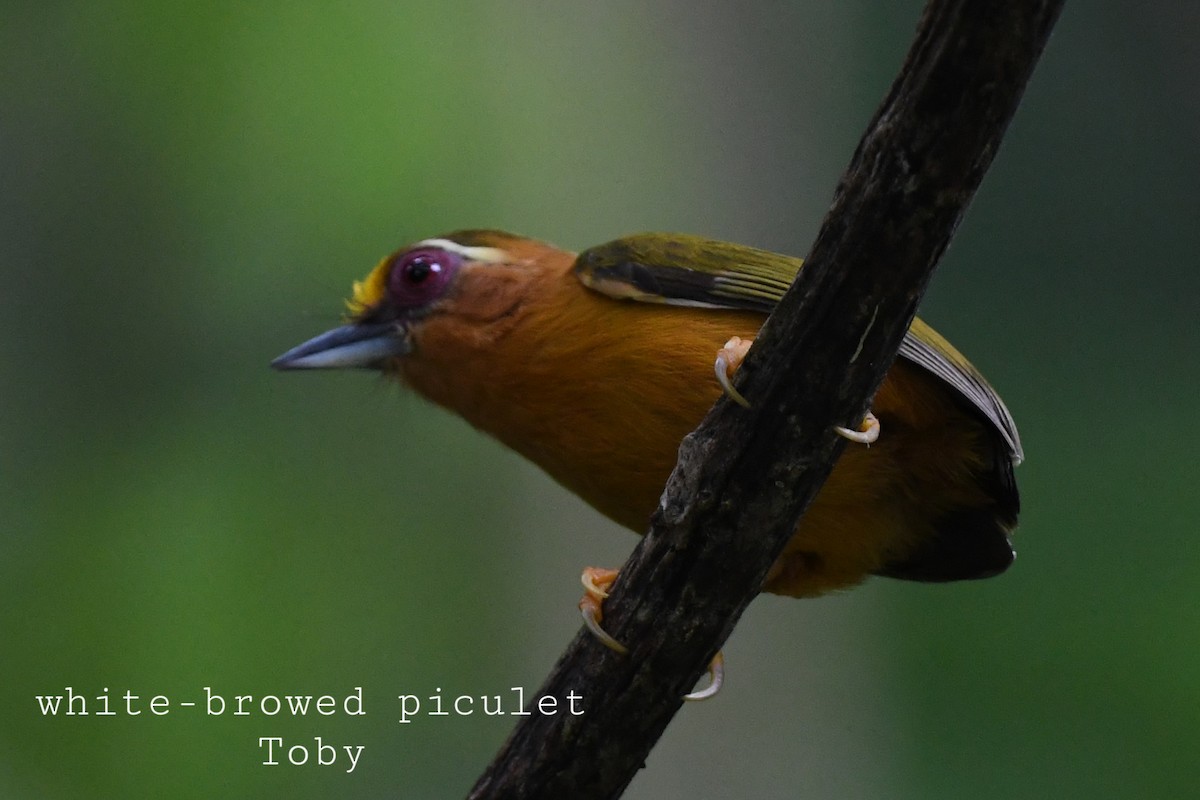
x=926 y=348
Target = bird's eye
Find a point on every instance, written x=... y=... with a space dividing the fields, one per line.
x=419 y=277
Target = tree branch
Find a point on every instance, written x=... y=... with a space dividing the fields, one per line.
x=744 y=477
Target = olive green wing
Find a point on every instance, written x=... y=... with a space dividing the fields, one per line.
x=686 y=270
x=681 y=270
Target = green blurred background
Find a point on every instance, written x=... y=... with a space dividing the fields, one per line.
x=189 y=189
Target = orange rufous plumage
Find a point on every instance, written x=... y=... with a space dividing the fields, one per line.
x=599 y=391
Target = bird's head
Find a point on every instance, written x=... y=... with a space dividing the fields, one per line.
x=471 y=274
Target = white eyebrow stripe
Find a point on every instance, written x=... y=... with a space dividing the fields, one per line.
x=488 y=255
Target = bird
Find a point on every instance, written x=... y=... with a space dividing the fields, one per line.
x=595 y=365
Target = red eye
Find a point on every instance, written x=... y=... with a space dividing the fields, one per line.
x=420 y=276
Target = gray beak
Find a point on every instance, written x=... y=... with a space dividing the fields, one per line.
x=354 y=345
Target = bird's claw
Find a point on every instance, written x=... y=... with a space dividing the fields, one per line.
x=716 y=677
x=596 y=582
x=867 y=433
x=729 y=358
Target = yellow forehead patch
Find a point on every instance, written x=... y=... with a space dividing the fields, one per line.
x=369 y=292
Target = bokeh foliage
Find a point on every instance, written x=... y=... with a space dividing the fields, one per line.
x=189 y=189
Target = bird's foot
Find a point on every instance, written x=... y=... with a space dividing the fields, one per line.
x=729 y=358
x=867 y=433
x=596 y=583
